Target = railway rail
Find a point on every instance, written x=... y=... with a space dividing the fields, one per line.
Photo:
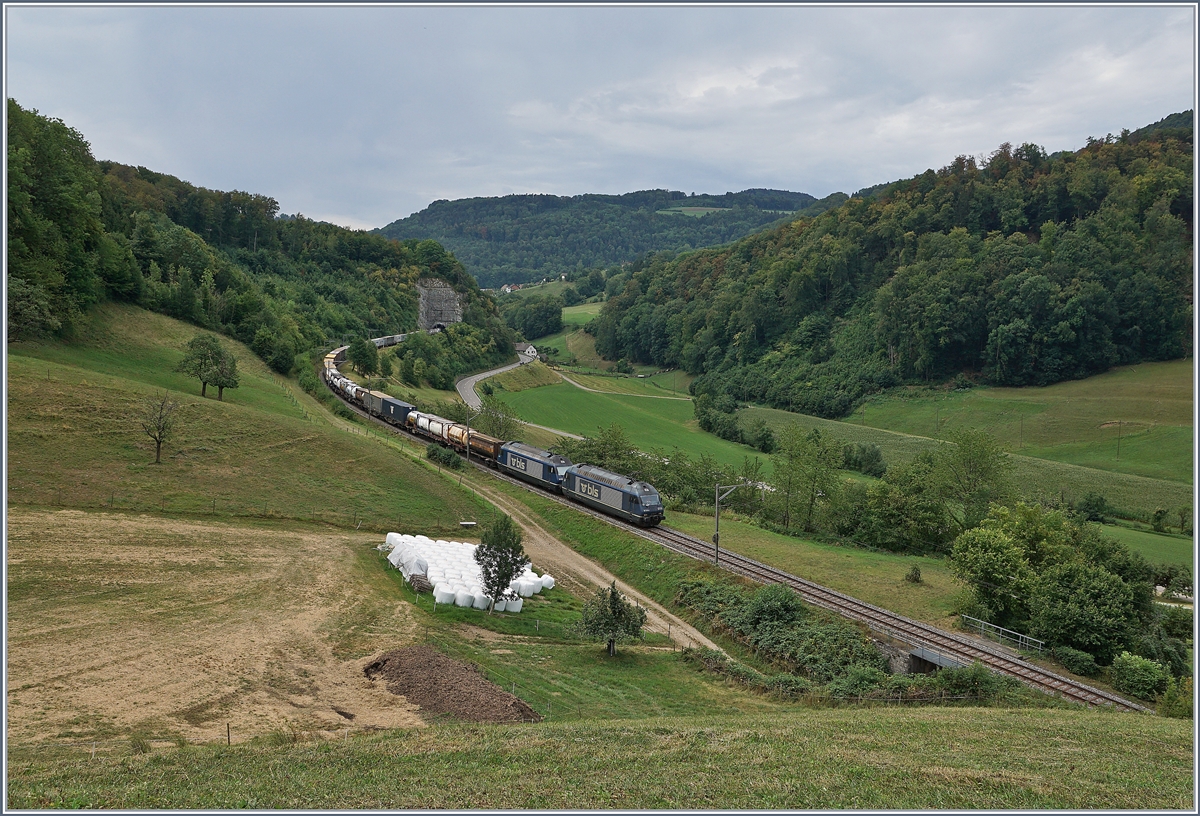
x=958 y=648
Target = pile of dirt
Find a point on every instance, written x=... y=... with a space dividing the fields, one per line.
x=442 y=685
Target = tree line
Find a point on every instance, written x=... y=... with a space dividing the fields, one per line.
x=1022 y=269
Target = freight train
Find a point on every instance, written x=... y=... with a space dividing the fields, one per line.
x=611 y=493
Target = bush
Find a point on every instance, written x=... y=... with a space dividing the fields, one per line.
x=865 y=458
x=1176 y=621
x=856 y=682
x=972 y=681
x=1093 y=507
x=1076 y=662
x=1137 y=676
x=444 y=457
x=1176 y=701
x=913 y=576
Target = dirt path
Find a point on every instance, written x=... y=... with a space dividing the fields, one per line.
x=582 y=575
x=171 y=628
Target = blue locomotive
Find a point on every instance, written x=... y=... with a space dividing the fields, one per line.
x=541 y=467
x=614 y=494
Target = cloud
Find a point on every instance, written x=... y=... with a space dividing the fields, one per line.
x=364 y=115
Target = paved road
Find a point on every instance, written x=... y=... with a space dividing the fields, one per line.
x=466 y=390
x=466 y=386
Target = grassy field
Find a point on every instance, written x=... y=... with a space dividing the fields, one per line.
x=861 y=759
x=1149 y=406
x=1036 y=478
x=659 y=385
x=267 y=450
x=533 y=375
x=580 y=315
x=649 y=423
x=874 y=577
x=1157 y=548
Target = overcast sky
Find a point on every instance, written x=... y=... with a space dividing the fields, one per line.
x=360 y=116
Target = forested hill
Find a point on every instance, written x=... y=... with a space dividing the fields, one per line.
x=519 y=238
x=1023 y=269
x=82 y=231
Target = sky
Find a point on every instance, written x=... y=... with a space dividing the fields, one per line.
x=363 y=115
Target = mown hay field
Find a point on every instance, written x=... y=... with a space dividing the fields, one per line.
x=912 y=759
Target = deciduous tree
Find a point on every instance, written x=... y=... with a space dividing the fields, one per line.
x=608 y=616
x=500 y=558
x=203 y=356
x=224 y=373
x=158 y=421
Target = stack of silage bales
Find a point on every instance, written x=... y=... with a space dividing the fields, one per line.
x=449 y=566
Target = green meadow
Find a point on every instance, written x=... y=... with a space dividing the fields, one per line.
x=1147 y=408
x=649 y=423
x=267 y=449
x=914 y=759
x=1036 y=479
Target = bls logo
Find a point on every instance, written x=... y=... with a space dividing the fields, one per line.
x=588 y=489
x=517 y=462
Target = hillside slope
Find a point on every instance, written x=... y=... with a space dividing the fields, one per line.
x=521 y=238
x=1021 y=270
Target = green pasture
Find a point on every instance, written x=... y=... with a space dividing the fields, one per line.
x=1036 y=479
x=659 y=385
x=1146 y=407
x=1157 y=548
x=581 y=314
x=267 y=450
x=531 y=375
x=871 y=576
x=649 y=423
x=875 y=759
x=551 y=287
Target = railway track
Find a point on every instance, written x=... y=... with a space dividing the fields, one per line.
x=958 y=648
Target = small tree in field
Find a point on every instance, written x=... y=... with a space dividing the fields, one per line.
x=203 y=354
x=158 y=422
x=500 y=558
x=610 y=617
x=224 y=374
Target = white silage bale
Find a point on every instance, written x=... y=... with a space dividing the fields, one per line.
x=393 y=539
x=501 y=605
x=421 y=566
x=443 y=595
x=524 y=588
x=547 y=581
x=464 y=598
x=514 y=605
x=482 y=601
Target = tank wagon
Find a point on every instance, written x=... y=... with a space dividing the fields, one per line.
x=614 y=494
x=634 y=501
x=530 y=464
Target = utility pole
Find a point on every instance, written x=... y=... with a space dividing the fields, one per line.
x=718 y=495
